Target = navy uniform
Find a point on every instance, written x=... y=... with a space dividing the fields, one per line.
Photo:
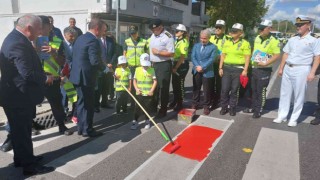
x=266 y=51
x=299 y=63
x=161 y=52
x=219 y=41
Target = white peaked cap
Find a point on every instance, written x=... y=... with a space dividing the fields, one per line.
x=266 y=22
x=181 y=27
x=220 y=22
x=237 y=26
x=122 y=60
x=145 y=60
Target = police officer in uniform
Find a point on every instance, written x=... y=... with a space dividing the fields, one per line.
x=161 y=52
x=218 y=39
x=180 y=67
x=299 y=64
x=132 y=50
x=234 y=62
x=266 y=52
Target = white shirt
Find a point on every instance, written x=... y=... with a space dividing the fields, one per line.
x=163 y=42
x=301 y=50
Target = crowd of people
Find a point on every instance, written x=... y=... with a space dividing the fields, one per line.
x=37 y=60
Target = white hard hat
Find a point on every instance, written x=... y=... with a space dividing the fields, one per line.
x=237 y=26
x=145 y=60
x=181 y=27
x=266 y=23
x=122 y=60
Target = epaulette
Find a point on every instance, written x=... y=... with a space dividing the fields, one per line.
x=274 y=37
x=168 y=34
x=314 y=35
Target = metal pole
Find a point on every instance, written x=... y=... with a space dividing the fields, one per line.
x=286 y=27
x=278 y=24
x=117 y=19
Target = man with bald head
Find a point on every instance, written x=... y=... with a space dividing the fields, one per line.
x=22 y=85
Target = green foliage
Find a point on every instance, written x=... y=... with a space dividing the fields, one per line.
x=246 y=12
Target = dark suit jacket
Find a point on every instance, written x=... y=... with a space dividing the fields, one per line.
x=66 y=52
x=86 y=60
x=204 y=58
x=107 y=52
x=22 y=76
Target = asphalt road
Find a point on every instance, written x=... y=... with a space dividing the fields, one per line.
x=247 y=149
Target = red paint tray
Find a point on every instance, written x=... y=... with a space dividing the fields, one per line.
x=186 y=115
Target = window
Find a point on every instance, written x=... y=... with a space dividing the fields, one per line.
x=186 y=2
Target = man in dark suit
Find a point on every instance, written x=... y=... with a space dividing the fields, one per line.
x=85 y=66
x=22 y=86
x=105 y=80
x=72 y=23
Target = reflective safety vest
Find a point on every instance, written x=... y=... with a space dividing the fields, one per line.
x=124 y=78
x=70 y=91
x=51 y=66
x=181 y=47
x=144 y=79
x=235 y=52
x=219 y=42
x=55 y=43
x=134 y=52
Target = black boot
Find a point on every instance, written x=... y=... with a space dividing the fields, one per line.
x=7 y=145
x=64 y=130
x=178 y=106
x=172 y=105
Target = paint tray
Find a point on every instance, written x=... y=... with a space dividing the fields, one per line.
x=186 y=115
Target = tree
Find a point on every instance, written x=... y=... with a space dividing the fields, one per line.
x=246 y=12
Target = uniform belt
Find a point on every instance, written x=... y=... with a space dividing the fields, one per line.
x=234 y=65
x=169 y=60
x=132 y=66
x=293 y=65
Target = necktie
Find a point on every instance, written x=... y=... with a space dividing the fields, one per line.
x=70 y=47
x=203 y=47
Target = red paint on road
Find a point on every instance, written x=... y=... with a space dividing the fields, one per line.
x=195 y=142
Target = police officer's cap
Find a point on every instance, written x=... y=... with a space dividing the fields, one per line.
x=155 y=23
x=220 y=23
x=265 y=23
x=301 y=19
x=181 y=27
x=133 y=29
x=237 y=27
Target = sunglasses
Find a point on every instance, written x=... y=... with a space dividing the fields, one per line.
x=300 y=25
x=178 y=31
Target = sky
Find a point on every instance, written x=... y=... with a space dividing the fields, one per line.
x=290 y=9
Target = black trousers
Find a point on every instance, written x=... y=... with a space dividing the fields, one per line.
x=178 y=81
x=122 y=100
x=85 y=108
x=133 y=90
x=163 y=74
x=198 y=81
x=216 y=83
x=230 y=84
x=259 y=83
x=104 y=83
x=20 y=120
x=54 y=97
x=146 y=103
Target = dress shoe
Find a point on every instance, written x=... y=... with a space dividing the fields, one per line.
x=206 y=111
x=248 y=110
x=97 y=110
x=92 y=134
x=37 y=169
x=37 y=126
x=278 y=120
x=223 y=111
x=316 y=121
x=64 y=130
x=292 y=124
x=256 y=115
x=6 y=146
x=232 y=111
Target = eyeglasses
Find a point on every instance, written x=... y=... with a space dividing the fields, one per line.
x=178 y=31
x=218 y=27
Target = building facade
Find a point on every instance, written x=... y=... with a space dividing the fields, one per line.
x=138 y=12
